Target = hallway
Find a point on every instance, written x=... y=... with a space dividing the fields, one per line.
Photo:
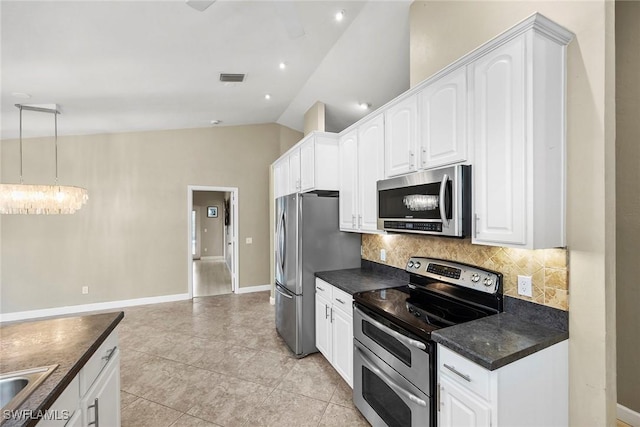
x=210 y=277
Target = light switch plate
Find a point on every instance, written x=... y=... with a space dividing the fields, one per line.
x=524 y=286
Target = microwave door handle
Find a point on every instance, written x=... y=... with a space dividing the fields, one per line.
x=442 y=198
x=386 y=379
x=403 y=339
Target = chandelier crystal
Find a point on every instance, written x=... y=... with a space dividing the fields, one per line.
x=41 y=199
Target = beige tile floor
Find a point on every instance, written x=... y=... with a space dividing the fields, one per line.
x=210 y=277
x=218 y=361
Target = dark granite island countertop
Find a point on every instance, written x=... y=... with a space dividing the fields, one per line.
x=356 y=280
x=495 y=341
x=68 y=342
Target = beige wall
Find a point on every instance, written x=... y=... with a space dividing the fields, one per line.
x=628 y=201
x=314 y=118
x=443 y=31
x=211 y=229
x=130 y=240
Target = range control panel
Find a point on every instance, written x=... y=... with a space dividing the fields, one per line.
x=455 y=273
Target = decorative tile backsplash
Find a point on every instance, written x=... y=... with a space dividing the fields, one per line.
x=547 y=267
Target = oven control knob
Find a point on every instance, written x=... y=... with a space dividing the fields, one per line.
x=410 y=265
x=488 y=282
x=475 y=278
x=416 y=264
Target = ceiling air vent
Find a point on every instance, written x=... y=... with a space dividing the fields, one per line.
x=235 y=78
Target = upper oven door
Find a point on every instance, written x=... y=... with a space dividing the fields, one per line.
x=428 y=202
x=408 y=355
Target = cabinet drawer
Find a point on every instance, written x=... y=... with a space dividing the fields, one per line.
x=92 y=369
x=324 y=289
x=463 y=371
x=342 y=301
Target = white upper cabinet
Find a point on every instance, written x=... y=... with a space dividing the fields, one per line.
x=443 y=120
x=370 y=171
x=361 y=166
x=401 y=137
x=294 y=171
x=348 y=180
x=518 y=107
x=312 y=164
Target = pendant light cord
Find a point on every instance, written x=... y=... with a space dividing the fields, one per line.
x=55 y=119
x=21 y=181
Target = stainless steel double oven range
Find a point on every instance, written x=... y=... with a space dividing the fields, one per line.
x=394 y=357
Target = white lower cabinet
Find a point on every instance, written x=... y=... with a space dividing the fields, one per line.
x=334 y=328
x=93 y=396
x=533 y=391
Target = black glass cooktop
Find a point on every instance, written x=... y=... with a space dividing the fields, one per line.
x=418 y=310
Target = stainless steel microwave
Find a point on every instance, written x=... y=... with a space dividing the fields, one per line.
x=435 y=202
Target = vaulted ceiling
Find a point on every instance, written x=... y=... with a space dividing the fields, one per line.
x=118 y=66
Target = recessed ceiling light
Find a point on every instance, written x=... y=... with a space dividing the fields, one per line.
x=339 y=15
x=215 y=122
x=282 y=65
x=364 y=105
x=20 y=95
x=267 y=96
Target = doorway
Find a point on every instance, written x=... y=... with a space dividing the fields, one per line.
x=212 y=244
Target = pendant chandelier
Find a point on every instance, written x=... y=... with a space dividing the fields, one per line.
x=41 y=199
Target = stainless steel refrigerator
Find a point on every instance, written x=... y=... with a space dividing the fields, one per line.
x=307 y=240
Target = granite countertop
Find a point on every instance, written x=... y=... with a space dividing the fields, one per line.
x=69 y=342
x=495 y=341
x=355 y=280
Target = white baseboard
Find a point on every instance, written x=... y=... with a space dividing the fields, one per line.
x=628 y=416
x=83 y=308
x=249 y=289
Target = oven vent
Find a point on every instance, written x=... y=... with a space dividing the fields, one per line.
x=234 y=78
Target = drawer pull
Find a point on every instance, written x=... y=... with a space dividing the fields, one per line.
x=339 y=300
x=320 y=288
x=96 y=421
x=455 y=371
x=109 y=354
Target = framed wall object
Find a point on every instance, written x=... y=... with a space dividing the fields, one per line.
x=212 y=212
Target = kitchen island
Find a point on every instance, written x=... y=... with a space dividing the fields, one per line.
x=71 y=343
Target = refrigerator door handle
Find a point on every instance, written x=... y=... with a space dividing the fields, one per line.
x=283 y=294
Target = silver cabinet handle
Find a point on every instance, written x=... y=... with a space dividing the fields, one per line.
x=411 y=159
x=340 y=301
x=359 y=221
x=458 y=373
x=476 y=218
x=96 y=421
x=423 y=159
x=331 y=314
x=353 y=221
x=396 y=335
x=320 y=288
x=109 y=354
x=283 y=294
x=326 y=312
x=385 y=378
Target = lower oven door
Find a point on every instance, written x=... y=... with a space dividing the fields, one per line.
x=404 y=352
x=385 y=397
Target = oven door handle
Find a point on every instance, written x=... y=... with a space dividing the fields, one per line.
x=442 y=199
x=386 y=379
x=396 y=335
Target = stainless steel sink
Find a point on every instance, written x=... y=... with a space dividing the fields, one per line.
x=16 y=386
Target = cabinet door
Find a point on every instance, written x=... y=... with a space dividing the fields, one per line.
x=307 y=165
x=348 y=173
x=101 y=403
x=294 y=171
x=65 y=408
x=281 y=177
x=75 y=420
x=370 y=170
x=401 y=135
x=443 y=120
x=459 y=407
x=342 y=344
x=323 y=326
x=499 y=172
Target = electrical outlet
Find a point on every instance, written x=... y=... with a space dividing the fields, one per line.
x=85 y=290
x=205 y=249
x=383 y=255
x=524 y=286
x=249 y=240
